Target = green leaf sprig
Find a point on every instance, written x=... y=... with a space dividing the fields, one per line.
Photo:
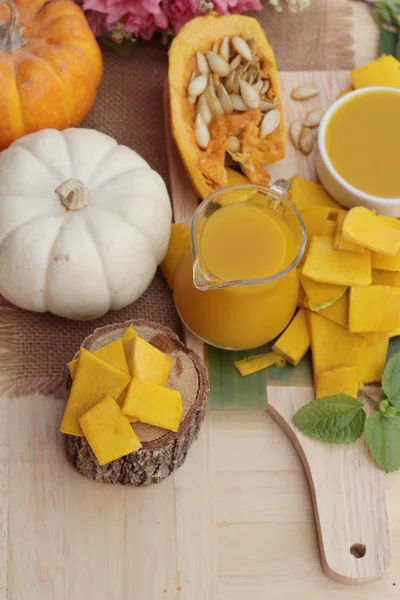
x=387 y=15
x=340 y=419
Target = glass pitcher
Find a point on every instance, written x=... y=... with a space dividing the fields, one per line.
x=237 y=288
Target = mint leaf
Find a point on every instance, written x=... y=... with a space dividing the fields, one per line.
x=382 y=435
x=387 y=409
x=391 y=380
x=337 y=419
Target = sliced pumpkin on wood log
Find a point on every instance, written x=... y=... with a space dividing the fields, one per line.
x=225 y=98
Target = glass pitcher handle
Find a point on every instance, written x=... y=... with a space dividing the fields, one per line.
x=281 y=187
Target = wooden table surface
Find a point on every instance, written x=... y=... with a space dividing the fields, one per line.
x=255 y=505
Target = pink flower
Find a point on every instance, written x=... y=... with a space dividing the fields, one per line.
x=96 y=22
x=181 y=11
x=236 y=6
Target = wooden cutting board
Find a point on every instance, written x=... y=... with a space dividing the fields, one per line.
x=347 y=488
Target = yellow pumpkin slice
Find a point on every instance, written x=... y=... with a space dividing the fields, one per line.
x=375 y=308
x=372 y=360
x=112 y=353
x=320 y=295
x=108 y=431
x=332 y=346
x=252 y=364
x=385 y=278
x=385 y=262
x=209 y=120
x=179 y=243
x=94 y=379
x=148 y=363
x=295 y=340
x=309 y=194
x=337 y=381
x=153 y=404
x=377 y=233
x=340 y=243
x=338 y=311
x=327 y=265
x=384 y=71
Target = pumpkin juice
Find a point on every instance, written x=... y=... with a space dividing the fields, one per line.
x=361 y=141
x=239 y=247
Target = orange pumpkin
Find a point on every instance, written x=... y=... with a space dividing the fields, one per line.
x=50 y=67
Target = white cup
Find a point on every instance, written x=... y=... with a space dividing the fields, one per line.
x=344 y=193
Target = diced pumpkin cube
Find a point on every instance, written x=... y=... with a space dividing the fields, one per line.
x=346 y=90
x=179 y=243
x=129 y=348
x=308 y=194
x=295 y=340
x=339 y=242
x=252 y=364
x=153 y=404
x=327 y=265
x=94 y=379
x=320 y=295
x=372 y=360
x=108 y=431
x=385 y=278
x=384 y=262
x=314 y=220
x=330 y=229
x=384 y=71
x=337 y=381
x=112 y=353
x=374 y=308
x=377 y=233
x=147 y=362
x=338 y=311
x=332 y=346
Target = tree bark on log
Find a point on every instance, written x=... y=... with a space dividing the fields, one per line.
x=162 y=451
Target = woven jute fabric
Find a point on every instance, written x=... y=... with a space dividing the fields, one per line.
x=35 y=347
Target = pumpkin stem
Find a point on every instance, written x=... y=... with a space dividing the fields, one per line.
x=73 y=194
x=11 y=37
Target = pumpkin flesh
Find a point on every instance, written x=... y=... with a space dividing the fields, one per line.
x=206 y=167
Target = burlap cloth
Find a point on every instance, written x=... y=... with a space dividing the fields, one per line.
x=35 y=347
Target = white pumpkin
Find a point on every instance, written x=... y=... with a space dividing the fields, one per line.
x=84 y=223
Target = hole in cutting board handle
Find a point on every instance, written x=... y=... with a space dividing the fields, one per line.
x=358 y=550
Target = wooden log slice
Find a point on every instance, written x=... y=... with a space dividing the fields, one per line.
x=162 y=451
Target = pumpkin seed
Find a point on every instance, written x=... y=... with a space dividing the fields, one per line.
x=203 y=109
x=228 y=83
x=266 y=106
x=294 y=132
x=198 y=85
x=201 y=133
x=238 y=103
x=257 y=86
x=233 y=144
x=235 y=84
x=313 y=118
x=213 y=103
x=202 y=64
x=306 y=140
x=242 y=48
x=215 y=48
x=304 y=92
x=218 y=64
x=225 y=100
x=235 y=62
x=224 y=49
x=266 y=86
x=270 y=122
x=249 y=95
x=192 y=99
x=193 y=75
x=216 y=81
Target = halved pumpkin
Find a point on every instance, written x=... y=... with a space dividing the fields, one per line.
x=239 y=112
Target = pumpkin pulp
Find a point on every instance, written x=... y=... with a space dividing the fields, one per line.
x=240 y=242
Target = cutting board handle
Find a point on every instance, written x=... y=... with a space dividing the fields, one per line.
x=348 y=496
